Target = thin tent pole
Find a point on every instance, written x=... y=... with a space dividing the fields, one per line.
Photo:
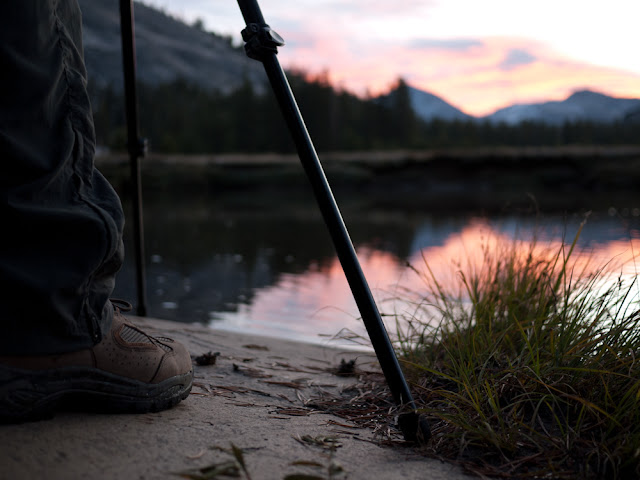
x=135 y=145
x=261 y=44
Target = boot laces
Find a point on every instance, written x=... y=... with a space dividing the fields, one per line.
x=132 y=333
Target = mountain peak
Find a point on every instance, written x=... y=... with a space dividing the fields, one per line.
x=582 y=105
x=430 y=107
x=586 y=93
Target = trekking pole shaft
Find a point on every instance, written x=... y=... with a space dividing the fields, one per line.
x=251 y=12
x=339 y=234
x=332 y=217
x=135 y=145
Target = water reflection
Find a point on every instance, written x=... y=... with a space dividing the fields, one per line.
x=271 y=269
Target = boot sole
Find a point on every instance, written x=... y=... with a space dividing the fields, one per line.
x=26 y=395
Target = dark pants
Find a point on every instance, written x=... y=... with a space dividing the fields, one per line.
x=61 y=234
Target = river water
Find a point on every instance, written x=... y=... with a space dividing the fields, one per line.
x=269 y=268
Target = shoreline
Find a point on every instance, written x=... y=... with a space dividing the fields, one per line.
x=570 y=178
x=257 y=397
x=389 y=157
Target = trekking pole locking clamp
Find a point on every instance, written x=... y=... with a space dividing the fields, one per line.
x=260 y=40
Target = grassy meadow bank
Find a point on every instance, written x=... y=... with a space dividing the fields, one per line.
x=528 y=366
x=490 y=179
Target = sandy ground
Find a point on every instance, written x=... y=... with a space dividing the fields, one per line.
x=254 y=397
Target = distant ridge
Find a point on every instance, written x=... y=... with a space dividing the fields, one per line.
x=425 y=105
x=430 y=107
x=584 y=105
x=167 y=49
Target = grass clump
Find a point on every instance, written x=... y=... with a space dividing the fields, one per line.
x=531 y=368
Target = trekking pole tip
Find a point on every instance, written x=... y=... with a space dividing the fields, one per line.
x=414 y=427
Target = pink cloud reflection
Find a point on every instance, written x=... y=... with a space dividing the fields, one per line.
x=319 y=302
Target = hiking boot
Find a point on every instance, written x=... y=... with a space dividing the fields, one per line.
x=127 y=372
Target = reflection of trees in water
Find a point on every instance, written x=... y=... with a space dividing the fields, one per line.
x=209 y=254
x=205 y=257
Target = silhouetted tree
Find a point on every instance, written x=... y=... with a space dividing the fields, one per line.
x=183 y=117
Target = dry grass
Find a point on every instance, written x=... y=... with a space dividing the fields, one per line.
x=530 y=369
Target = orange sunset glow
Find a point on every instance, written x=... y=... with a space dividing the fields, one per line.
x=478 y=56
x=478 y=79
x=326 y=294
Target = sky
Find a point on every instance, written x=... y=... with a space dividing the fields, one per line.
x=477 y=55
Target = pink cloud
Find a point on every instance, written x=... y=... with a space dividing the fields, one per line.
x=476 y=75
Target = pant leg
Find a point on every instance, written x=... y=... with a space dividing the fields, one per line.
x=61 y=220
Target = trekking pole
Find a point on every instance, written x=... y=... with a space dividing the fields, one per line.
x=136 y=146
x=261 y=44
